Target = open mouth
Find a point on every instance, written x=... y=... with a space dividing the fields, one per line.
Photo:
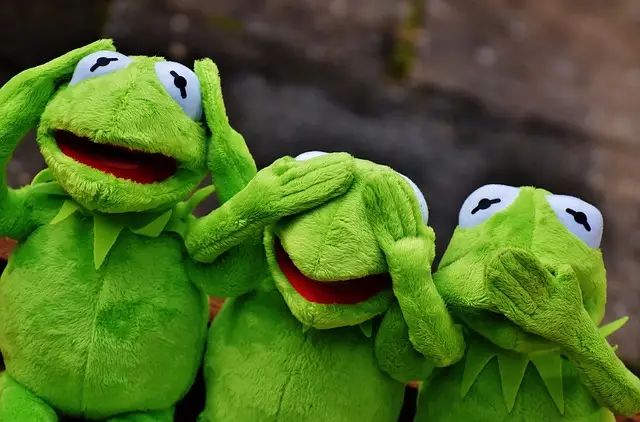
x=125 y=163
x=345 y=292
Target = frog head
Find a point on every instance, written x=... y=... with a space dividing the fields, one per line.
x=327 y=263
x=125 y=133
x=557 y=229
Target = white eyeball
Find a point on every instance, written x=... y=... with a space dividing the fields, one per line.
x=485 y=202
x=422 y=202
x=309 y=155
x=182 y=85
x=97 y=64
x=581 y=218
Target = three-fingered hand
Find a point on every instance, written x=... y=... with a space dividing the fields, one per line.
x=289 y=186
x=394 y=215
x=542 y=301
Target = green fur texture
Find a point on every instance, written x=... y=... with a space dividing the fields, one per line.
x=261 y=366
x=531 y=295
x=441 y=398
x=275 y=356
x=102 y=313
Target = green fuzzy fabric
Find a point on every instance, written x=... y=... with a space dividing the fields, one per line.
x=261 y=366
x=441 y=399
x=102 y=314
x=531 y=295
x=274 y=355
x=112 y=343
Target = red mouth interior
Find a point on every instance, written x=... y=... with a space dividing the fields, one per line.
x=345 y=292
x=138 y=166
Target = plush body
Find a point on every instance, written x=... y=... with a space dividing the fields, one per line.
x=343 y=316
x=261 y=366
x=523 y=272
x=128 y=336
x=102 y=311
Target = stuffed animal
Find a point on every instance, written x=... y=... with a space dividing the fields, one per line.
x=102 y=315
x=343 y=316
x=525 y=275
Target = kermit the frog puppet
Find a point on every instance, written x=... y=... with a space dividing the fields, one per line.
x=343 y=316
x=102 y=313
x=525 y=274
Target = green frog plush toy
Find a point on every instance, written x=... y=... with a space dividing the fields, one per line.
x=344 y=313
x=102 y=312
x=525 y=275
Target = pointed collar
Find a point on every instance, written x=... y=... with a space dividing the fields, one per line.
x=107 y=227
x=512 y=367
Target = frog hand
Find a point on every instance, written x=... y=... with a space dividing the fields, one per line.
x=39 y=83
x=228 y=158
x=22 y=100
x=63 y=66
x=408 y=246
x=289 y=186
x=284 y=188
x=544 y=302
x=392 y=215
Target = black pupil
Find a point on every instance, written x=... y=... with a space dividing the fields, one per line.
x=101 y=62
x=180 y=82
x=580 y=218
x=485 y=203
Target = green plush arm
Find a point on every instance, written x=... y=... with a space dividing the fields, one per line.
x=232 y=167
x=233 y=273
x=229 y=159
x=22 y=101
x=604 y=374
x=409 y=249
x=550 y=305
x=431 y=328
x=285 y=188
x=395 y=352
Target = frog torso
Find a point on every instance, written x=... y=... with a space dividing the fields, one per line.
x=261 y=365
x=441 y=398
x=94 y=342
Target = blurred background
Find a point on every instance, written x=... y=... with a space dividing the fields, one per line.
x=452 y=93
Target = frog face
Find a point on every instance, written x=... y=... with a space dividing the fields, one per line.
x=557 y=229
x=327 y=263
x=125 y=133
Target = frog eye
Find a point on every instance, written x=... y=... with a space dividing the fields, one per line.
x=309 y=155
x=581 y=218
x=422 y=202
x=98 y=64
x=182 y=85
x=485 y=202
